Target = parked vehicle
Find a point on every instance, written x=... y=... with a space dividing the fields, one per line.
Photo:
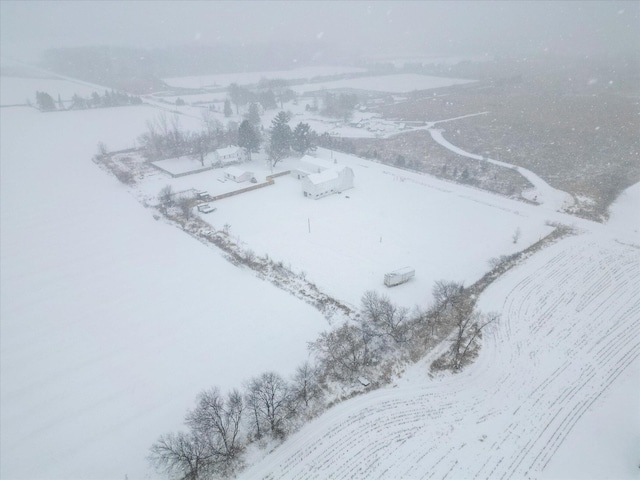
x=203 y=195
x=397 y=277
x=206 y=208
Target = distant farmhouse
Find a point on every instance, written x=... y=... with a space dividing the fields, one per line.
x=321 y=178
x=237 y=174
x=229 y=155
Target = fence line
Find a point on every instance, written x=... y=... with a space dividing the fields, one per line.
x=183 y=174
x=270 y=181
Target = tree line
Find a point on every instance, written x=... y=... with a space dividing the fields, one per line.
x=110 y=98
x=271 y=92
x=165 y=137
x=268 y=93
x=382 y=337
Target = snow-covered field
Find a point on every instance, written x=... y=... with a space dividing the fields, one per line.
x=569 y=327
x=399 y=83
x=400 y=61
x=250 y=78
x=112 y=322
x=17 y=90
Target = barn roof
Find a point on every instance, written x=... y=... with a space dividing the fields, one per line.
x=235 y=171
x=227 y=150
x=315 y=162
x=319 y=178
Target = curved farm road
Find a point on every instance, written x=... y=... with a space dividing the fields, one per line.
x=569 y=326
x=543 y=193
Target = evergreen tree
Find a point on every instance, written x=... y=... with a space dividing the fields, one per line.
x=45 y=102
x=267 y=99
x=95 y=100
x=240 y=95
x=303 y=139
x=248 y=138
x=339 y=105
x=227 y=108
x=60 y=104
x=235 y=94
x=77 y=102
x=254 y=114
x=280 y=144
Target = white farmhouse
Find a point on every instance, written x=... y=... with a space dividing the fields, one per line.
x=237 y=174
x=229 y=155
x=327 y=182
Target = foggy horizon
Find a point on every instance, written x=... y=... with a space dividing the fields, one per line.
x=364 y=28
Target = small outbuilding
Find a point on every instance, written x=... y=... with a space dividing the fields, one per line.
x=237 y=174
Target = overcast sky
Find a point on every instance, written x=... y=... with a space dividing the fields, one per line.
x=369 y=26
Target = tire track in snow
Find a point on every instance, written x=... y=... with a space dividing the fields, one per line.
x=546 y=195
x=569 y=327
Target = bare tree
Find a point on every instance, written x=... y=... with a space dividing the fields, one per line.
x=449 y=301
x=385 y=318
x=446 y=294
x=181 y=455
x=468 y=332
x=306 y=385
x=269 y=399
x=164 y=137
x=165 y=197
x=344 y=353
x=216 y=422
x=185 y=206
x=468 y=327
x=210 y=123
x=200 y=145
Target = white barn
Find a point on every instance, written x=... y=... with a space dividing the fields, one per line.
x=308 y=165
x=327 y=182
x=229 y=155
x=237 y=174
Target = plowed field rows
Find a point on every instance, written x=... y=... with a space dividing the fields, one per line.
x=569 y=326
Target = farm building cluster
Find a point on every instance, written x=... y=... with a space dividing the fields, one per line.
x=318 y=178
x=321 y=178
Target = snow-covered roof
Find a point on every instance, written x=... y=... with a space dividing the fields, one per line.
x=319 y=178
x=235 y=171
x=402 y=271
x=227 y=150
x=316 y=163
